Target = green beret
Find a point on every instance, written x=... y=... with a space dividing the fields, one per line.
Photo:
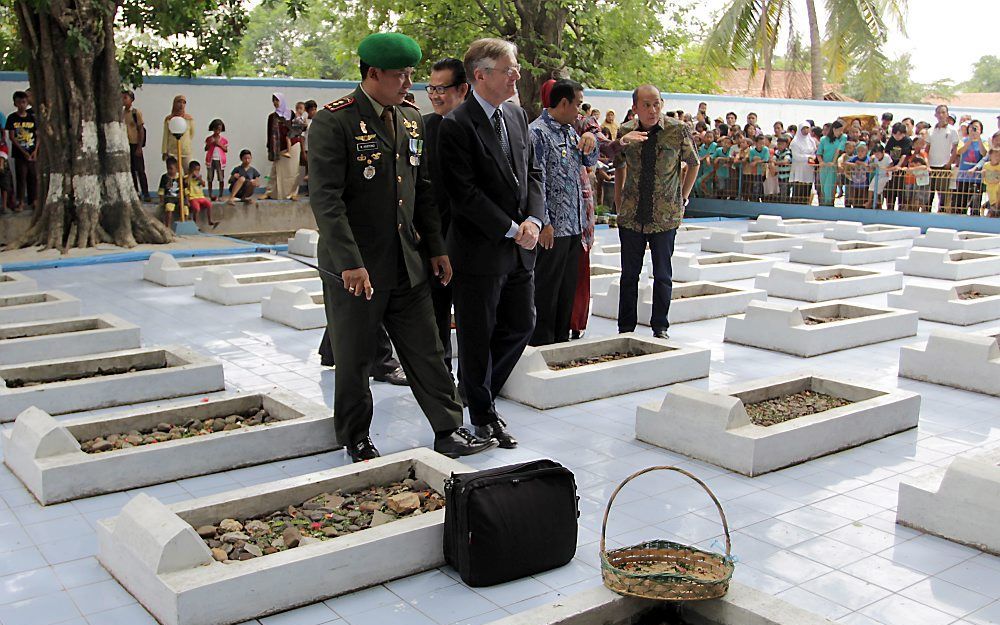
x=389 y=51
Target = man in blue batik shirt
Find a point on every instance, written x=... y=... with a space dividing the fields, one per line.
x=560 y=154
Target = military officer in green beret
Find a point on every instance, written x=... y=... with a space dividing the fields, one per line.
x=379 y=228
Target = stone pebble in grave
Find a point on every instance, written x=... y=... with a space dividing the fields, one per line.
x=163 y=432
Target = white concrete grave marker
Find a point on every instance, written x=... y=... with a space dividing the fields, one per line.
x=830 y=252
x=219 y=285
x=16 y=283
x=165 y=270
x=819 y=285
x=749 y=242
x=690 y=301
x=304 y=243
x=154 y=552
x=775 y=223
x=717 y=267
x=714 y=426
x=562 y=374
x=27 y=307
x=106 y=379
x=856 y=231
x=46 y=454
x=601 y=277
x=948 y=239
x=62 y=338
x=969 y=361
x=960 y=502
x=960 y=304
x=949 y=264
x=295 y=307
x=609 y=254
x=815 y=329
x=689 y=234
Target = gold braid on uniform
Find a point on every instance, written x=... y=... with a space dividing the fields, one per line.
x=339 y=103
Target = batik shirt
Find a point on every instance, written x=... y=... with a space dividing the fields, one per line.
x=673 y=145
x=560 y=162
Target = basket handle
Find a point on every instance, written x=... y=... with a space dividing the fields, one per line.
x=722 y=515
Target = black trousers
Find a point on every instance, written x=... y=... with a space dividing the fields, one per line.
x=555 y=285
x=408 y=317
x=661 y=246
x=138 y=164
x=27 y=180
x=382 y=363
x=441 y=298
x=494 y=318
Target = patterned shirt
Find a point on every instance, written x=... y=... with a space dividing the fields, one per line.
x=673 y=145
x=560 y=162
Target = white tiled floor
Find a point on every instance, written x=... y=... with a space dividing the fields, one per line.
x=820 y=535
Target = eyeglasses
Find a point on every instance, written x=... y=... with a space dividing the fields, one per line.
x=510 y=71
x=440 y=89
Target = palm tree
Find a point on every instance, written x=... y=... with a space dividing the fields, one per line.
x=855 y=33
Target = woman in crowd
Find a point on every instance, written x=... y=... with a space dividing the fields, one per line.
x=830 y=147
x=970 y=151
x=610 y=127
x=284 y=156
x=803 y=152
x=179 y=109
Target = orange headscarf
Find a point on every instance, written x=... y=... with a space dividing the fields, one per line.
x=179 y=107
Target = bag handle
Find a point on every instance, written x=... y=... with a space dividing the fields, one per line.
x=722 y=515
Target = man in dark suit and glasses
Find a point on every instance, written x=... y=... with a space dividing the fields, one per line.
x=497 y=210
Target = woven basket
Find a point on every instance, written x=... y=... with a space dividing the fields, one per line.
x=665 y=570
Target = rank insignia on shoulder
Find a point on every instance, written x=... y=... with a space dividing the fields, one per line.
x=340 y=103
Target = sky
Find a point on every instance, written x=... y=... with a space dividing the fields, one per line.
x=934 y=35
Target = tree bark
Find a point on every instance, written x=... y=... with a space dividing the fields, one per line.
x=86 y=194
x=541 y=32
x=815 y=51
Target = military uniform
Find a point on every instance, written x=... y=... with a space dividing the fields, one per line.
x=375 y=209
x=651 y=210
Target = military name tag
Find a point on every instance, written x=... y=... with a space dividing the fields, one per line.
x=368 y=146
x=369 y=172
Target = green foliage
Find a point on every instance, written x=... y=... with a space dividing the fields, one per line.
x=985 y=75
x=896 y=85
x=12 y=53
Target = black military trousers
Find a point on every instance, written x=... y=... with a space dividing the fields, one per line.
x=408 y=317
x=442 y=297
x=382 y=362
x=555 y=286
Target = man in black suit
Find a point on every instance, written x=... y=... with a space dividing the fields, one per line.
x=496 y=214
x=447 y=88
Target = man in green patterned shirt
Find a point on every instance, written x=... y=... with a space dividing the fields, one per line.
x=651 y=190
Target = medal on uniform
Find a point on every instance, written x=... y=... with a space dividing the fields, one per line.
x=369 y=172
x=416 y=150
x=363 y=126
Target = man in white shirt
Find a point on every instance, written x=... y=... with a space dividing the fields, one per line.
x=942 y=140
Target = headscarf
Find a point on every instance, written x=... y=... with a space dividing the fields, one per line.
x=545 y=90
x=282 y=109
x=179 y=107
x=803 y=142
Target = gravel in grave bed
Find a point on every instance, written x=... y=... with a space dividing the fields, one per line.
x=793 y=406
x=812 y=320
x=593 y=360
x=166 y=432
x=973 y=295
x=323 y=517
x=18 y=383
x=836 y=276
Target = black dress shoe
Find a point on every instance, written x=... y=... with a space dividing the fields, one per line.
x=397 y=376
x=326 y=362
x=363 y=450
x=461 y=442
x=497 y=430
x=660 y=334
x=576 y=335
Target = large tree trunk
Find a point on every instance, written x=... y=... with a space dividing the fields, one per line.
x=815 y=51
x=542 y=27
x=86 y=184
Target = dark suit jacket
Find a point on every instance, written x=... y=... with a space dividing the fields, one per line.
x=485 y=196
x=432 y=124
x=366 y=222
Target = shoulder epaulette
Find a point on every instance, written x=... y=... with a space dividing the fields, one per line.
x=410 y=104
x=340 y=103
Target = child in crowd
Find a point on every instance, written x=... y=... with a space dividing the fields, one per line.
x=243 y=180
x=297 y=135
x=991 y=179
x=782 y=164
x=881 y=163
x=706 y=150
x=170 y=192
x=216 y=148
x=758 y=156
x=857 y=171
x=721 y=164
x=194 y=188
x=740 y=153
x=22 y=130
x=920 y=190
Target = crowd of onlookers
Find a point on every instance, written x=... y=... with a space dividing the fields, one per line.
x=951 y=165
x=18 y=179
x=182 y=188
